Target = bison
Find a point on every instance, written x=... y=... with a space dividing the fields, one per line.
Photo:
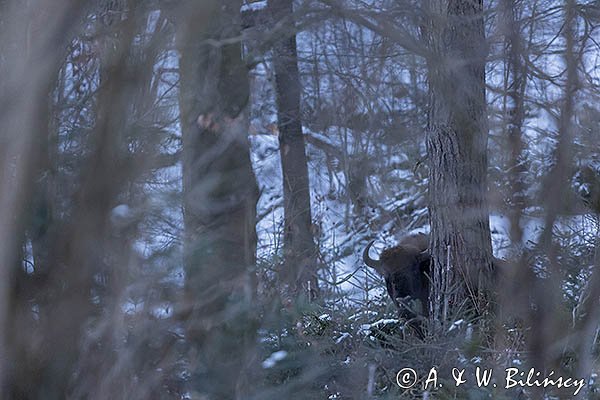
x=405 y=269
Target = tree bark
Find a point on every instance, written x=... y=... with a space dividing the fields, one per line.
x=220 y=195
x=300 y=253
x=457 y=147
x=32 y=38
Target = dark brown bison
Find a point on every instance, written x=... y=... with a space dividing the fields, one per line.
x=405 y=269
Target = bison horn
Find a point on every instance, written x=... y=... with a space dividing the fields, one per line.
x=376 y=264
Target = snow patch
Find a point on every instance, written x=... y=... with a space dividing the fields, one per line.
x=325 y=317
x=456 y=325
x=254 y=5
x=274 y=359
x=342 y=337
x=121 y=211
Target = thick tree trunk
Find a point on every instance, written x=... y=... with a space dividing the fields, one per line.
x=299 y=246
x=79 y=250
x=41 y=29
x=220 y=195
x=457 y=145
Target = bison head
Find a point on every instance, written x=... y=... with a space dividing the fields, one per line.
x=405 y=269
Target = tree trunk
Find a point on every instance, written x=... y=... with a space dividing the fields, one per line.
x=300 y=269
x=220 y=195
x=79 y=251
x=31 y=371
x=457 y=145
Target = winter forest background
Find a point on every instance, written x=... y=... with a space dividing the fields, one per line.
x=187 y=188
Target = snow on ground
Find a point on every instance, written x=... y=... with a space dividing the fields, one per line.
x=274 y=358
x=253 y=5
x=341 y=239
